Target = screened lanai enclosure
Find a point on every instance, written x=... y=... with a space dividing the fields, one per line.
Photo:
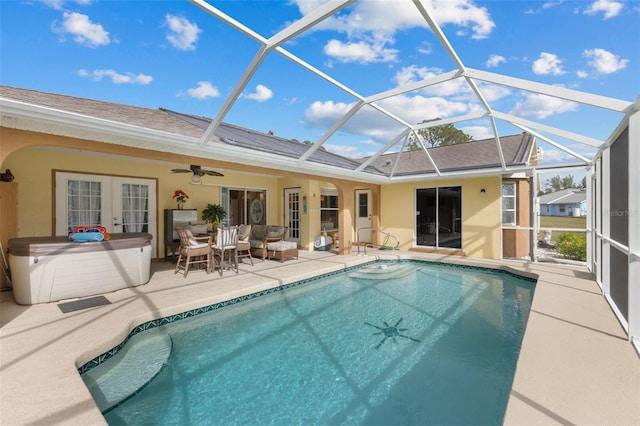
x=613 y=178
x=609 y=151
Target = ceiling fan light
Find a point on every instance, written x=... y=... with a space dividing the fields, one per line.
x=195 y=178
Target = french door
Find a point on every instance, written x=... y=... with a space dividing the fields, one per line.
x=363 y=215
x=120 y=204
x=292 y=214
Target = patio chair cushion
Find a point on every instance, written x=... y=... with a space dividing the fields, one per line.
x=263 y=234
x=282 y=246
x=258 y=232
x=244 y=232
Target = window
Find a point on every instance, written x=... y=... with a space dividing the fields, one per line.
x=509 y=203
x=562 y=208
x=84 y=203
x=328 y=209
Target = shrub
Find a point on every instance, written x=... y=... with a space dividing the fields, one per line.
x=572 y=246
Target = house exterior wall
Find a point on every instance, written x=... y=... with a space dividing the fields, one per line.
x=481 y=217
x=516 y=242
x=33 y=168
x=309 y=220
x=569 y=209
x=392 y=205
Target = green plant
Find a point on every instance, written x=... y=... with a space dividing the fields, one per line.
x=572 y=246
x=214 y=214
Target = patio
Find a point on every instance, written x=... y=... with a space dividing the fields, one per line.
x=560 y=378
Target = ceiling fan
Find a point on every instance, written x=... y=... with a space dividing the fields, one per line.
x=197 y=172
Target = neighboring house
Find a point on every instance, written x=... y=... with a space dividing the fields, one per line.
x=453 y=199
x=567 y=202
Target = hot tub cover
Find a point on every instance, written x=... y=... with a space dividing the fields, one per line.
x=48 y=246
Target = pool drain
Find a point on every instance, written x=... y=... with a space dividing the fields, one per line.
x=390 y=332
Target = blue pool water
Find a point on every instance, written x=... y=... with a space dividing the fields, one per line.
x=405 y=343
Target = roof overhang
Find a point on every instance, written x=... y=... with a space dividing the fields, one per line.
x=40 y=119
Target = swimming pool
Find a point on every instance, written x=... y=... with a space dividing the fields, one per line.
x=389 y=343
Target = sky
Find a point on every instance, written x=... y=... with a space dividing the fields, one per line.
x=175 y=55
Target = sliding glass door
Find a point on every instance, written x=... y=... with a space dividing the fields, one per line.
x=439 y=217
x=245 y=206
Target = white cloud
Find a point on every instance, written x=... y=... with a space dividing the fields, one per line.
x=458 y=88
x=495 y=60
x=84 y=31
x=415 y=109
x=478 y=132
x=371 y=123
x=59 y=4
x=325 y=114
x=413 y=73
x=205 y=90
x=542 y=106
x=117 y=78
x=370 y=25
x=425 y=48
x=582 y=74
x=463 y=13
x=362 y=51
x=492 y=92
x=605 y=62
x=609 y=8
x=550 y=4
x=345 y=151
x=182 y=34
x=367 y=121
x=54 y=4
x=548 y=63
x=262 y=94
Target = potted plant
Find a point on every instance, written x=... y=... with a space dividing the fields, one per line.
x=213 y=214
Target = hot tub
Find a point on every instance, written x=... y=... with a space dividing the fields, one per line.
x=48 y=269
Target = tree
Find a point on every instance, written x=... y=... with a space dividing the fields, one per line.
x=309 y=143
x=443 y=135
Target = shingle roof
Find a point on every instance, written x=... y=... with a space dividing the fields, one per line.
x=565 y=196
x=516 y=150
x=178 y=123
x=476 y=155
x=137 y=116
x=247 y=138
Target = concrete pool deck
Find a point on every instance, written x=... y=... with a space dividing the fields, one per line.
x=576 y=365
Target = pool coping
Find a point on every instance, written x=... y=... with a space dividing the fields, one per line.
x=560 y=377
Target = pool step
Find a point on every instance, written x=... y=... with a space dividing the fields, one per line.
x=137 y=364
x=383 y=271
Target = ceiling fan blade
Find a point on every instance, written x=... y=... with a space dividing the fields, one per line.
x=211 y=173
x=196 y=170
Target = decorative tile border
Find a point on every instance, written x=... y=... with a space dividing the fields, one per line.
x=193 y=312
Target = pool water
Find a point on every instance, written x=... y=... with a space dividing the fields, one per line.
x=405 y=343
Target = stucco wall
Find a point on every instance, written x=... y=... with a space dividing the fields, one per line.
x=516 y=242
x=33 y=167
x=480 y=214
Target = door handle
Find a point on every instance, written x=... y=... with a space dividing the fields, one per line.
x=117 y=224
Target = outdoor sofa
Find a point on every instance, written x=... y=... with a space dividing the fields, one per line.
x=262 y=235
